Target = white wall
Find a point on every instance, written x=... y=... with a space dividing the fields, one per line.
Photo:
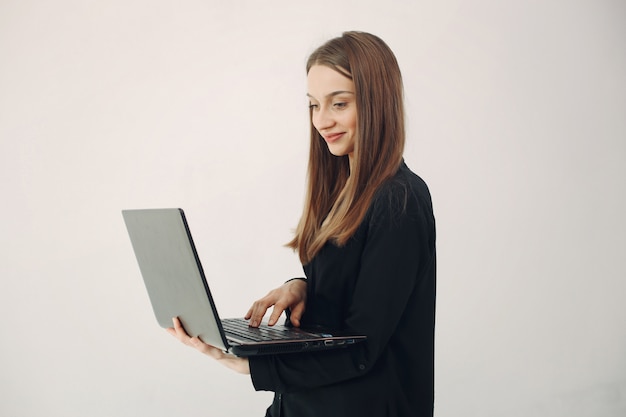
x=517 y=120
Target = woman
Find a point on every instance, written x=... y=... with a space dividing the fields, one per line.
x=366 y=240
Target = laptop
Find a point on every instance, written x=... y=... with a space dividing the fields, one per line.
x=177 y=287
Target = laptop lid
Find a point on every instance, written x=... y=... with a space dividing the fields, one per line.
x=172 y=273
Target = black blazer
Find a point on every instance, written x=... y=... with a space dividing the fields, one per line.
x=381 y=284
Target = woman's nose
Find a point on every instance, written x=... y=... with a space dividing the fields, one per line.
x=322 y=119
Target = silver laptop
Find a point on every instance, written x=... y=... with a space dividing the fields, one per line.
x=177 y=287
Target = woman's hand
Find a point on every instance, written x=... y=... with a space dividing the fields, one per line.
x=240 y=365
x=291 y=295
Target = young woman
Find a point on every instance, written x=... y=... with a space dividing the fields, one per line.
x=366 y=240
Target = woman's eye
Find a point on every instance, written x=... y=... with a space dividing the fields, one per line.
x=312 y=106
x=340 y=105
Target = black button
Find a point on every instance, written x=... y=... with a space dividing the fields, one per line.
x=361 y=367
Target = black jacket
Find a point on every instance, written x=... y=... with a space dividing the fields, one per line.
x=381 y=284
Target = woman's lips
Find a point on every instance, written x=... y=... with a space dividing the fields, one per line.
x=333 y=137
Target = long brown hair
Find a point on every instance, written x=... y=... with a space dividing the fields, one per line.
x=338 y=196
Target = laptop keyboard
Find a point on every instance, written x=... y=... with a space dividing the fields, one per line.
x=240 y=328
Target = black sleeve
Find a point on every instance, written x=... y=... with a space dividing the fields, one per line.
x=397 y=247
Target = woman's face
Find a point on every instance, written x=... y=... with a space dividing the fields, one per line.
x=333 y=108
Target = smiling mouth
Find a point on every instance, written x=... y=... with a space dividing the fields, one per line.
x=333 y=137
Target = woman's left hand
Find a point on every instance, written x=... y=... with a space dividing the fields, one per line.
x=233 y=362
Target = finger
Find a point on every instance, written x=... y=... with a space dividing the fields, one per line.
x=259 y=308
x=178 y=326
x=257 y=311
x=200 y=345
x=179 y=332
x=296 y=314
x=206 y=349
x=276 y=313
x=256 y=319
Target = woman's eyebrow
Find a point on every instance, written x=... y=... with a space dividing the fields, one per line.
x=333 y=94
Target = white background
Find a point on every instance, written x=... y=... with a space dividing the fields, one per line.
x=517 y=121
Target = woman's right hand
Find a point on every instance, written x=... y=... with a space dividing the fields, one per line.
x=291 y=295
